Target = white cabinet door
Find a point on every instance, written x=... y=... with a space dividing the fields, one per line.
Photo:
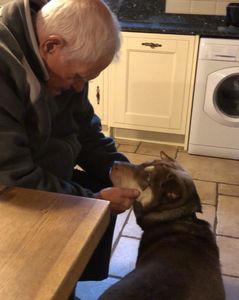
x=151 y=82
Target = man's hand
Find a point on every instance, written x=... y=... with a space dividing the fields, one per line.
x=120 y=198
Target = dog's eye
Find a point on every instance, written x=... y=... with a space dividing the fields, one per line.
x=172 y=196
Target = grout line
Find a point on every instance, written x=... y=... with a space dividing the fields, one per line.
x=115 y=276
x=230 y=195
x=137 y=148
x=120 y=233
x=231 y=276
x=216 y=209
x=236 y=184
x=202 y=180
x=227 y=236
x=131 y=237
x=143 y=154
x=209 y=204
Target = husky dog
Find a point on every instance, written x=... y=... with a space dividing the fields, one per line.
x=178 y=257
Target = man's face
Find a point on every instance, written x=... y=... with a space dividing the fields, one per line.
x=66 y=75
x=63 y=76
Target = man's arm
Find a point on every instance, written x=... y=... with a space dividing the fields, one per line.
x=17 y=166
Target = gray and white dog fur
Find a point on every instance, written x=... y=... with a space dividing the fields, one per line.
x=178 y=258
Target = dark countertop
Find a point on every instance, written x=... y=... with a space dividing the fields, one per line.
x=152 y=19
x=206 y=26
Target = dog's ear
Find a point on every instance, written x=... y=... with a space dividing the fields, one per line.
x=164 y=156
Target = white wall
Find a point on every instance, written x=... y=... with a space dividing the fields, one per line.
x=205 y=7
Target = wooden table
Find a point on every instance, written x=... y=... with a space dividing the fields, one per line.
x=46 y=240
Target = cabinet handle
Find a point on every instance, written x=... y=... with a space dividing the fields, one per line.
x=152 y=45
x=98 y=95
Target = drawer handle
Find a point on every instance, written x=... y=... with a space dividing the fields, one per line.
x=152 y=45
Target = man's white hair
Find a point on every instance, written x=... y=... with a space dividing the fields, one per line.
x=89 y=28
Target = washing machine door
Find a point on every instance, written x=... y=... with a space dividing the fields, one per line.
x=222 y=96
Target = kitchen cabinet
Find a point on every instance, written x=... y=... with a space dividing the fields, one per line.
x=149 y=89
x=151 y=85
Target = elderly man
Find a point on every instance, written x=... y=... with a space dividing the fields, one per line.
x=48 y=53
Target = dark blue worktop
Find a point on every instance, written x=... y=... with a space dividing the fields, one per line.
x=136 y=17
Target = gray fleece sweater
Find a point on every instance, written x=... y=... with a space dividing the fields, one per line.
x=42 y=138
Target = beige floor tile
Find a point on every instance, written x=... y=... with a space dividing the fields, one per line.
x=206 y=191
x=138 y=158
x=211 y=169
x=209 y=214
x=228 y=216
x=154 y=149
x=126 y=142
x=228 y=189
x=131 y=228
x=231 y=287
x=127 y=148
x=229 y=249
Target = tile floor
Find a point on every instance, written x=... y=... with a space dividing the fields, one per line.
x=217 y=181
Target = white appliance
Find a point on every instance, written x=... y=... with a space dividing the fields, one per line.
x=214 y=127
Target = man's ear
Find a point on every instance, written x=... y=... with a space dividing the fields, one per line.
x=51 y=44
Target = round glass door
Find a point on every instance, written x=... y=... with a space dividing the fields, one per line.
x=226 y=96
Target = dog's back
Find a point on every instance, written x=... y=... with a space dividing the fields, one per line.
x=175 y=262
x=178 y=258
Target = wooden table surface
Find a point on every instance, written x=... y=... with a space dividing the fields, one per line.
x=46 y=240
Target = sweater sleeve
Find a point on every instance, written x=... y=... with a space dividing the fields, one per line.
x=17 y=166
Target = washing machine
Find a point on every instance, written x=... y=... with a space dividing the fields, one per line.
x=214 y=129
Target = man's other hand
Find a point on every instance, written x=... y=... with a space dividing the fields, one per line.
x=120 y=199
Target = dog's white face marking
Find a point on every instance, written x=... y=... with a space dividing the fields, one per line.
x=125 y=178
x=145 y=197
x=124 y=181
x=149 y=169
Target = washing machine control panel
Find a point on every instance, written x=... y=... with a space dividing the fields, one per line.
x=211 y=49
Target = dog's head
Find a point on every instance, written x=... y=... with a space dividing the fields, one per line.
x=167 y=191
